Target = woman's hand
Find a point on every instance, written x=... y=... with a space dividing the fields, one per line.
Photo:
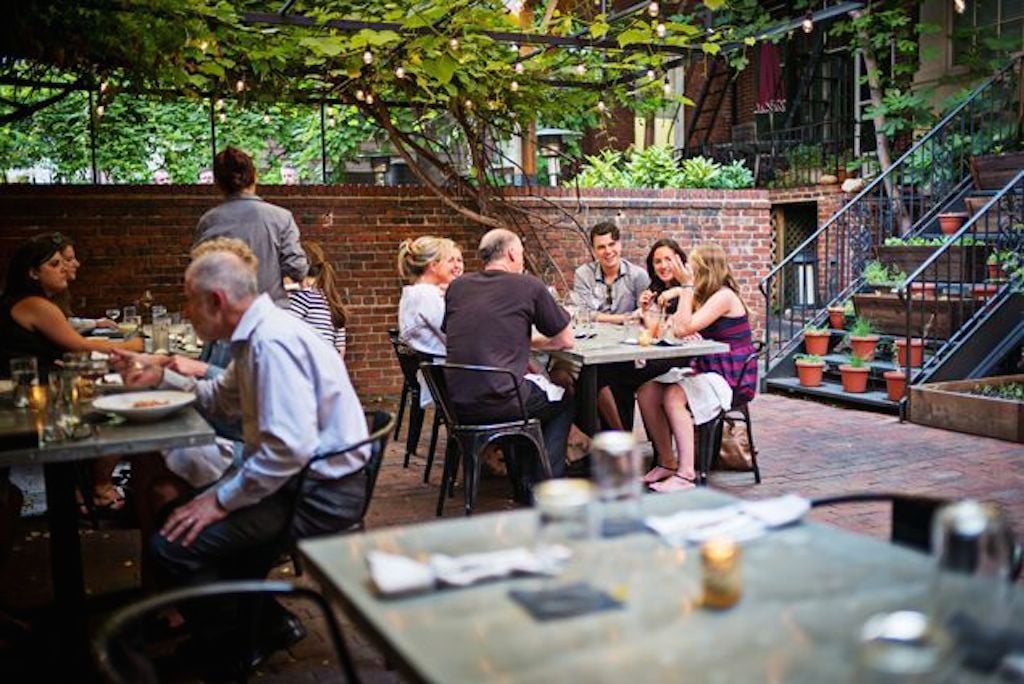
x=106 y=323
x=646 y=297
x=680 y=271
x=668 y=295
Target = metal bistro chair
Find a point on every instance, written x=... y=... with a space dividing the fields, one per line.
x=380 y=424
x=709 y=435
x=467 y=441
x=409 y=361
x=912 y=520
x=120 y=646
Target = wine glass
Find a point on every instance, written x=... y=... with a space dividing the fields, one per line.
x=113 y=314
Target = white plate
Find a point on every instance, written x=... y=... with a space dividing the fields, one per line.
x=126 y=405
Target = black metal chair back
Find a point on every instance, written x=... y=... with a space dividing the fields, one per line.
x=911 y=514
x=123 y=656
x=409 y=360
x=467 y=440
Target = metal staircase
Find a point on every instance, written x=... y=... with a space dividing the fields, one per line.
x=931 y=178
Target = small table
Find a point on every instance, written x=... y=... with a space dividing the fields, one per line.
x=807 y=590
x=19 y=437
x=607 y=347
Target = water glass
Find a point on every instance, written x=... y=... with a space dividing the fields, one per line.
x=131 y=323
x=904 y=647
x=161 y=332
x=24 y=374
x=564 y=509
x=130 y=311
x=616 y=462
x=973 y=546
x=113 y=314
x=158 y=310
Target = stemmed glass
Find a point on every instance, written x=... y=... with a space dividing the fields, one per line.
x=113 y=314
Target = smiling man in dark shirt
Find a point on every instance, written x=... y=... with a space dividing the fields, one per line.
x=489 y=317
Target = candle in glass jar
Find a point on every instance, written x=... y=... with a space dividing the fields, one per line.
x=723 y=581
x=37 y=396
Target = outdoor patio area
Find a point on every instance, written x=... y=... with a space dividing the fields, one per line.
x=807 y=448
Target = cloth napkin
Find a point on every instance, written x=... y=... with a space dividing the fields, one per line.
x=394 y=574
x=742 y=521
x=554 y=392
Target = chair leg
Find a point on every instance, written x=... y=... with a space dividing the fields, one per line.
x=433 y=443
x=451 y=465
x=705 y=445
x=471 y=473
x=412 y=438
x=401 y=409
x=750 y=440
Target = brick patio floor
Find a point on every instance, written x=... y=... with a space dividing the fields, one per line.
x=806 y=448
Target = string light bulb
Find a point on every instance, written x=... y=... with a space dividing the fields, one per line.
x=453 y=43
x=266 y=118
x=660 y=29
x=808 y=23
x=653 y=9
x=519 y=68
x=103 y=86
x=651 y=75
x=369 y=99
x=400 y=72
x=360 y=95
x=223 y=117
x=581 y=69
x=240 y=85
x=666 y=87
x=468 y=104
x=514 y=86
x=601 y=106
x=332 y=122
x=100 y=109
x=959 y=6
x=220 y=103
x=203 y=45
x=367 y=57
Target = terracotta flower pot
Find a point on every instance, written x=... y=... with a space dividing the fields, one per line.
x=916 y=352
x=810 y=373
x=995 y=272
x=816 y=343
x=927 y=288
x=895 y=384
x=855 y=380
x=951 y=222
x=837 y=317
x=864 y=347
x=983 y=292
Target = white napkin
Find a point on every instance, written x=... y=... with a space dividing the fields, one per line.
x=113 y=379
x=742 y=521
x=554 y=392
x=394 y=574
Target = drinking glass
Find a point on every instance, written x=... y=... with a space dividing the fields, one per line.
x=130 y=311
x=24 y=374
x=971 y=587
x=158 y=310
x=113 y=314
x=161 y=332
x=902 y=646
x=616 y=461
x=564 y=511
x=652 y=321
x=631 y=327
x=131 y=324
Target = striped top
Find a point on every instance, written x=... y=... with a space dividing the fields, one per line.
x=311 y=306
x=734 y=331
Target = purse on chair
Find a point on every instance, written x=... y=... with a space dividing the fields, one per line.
x=735 y=453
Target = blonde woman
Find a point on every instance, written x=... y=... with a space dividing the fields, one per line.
x=428 y=263
x=318 y=300
x=709 y=305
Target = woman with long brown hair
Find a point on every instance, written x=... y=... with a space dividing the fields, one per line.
x=318 y=300
x=709 y=305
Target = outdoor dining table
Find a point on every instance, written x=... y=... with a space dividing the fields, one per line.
x=807 y=590
x=605 y=345
x=20 y=442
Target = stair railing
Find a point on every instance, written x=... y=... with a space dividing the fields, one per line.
x=958 y=284
x=900 y=201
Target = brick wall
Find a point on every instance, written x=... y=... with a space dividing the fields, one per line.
x=135 y=238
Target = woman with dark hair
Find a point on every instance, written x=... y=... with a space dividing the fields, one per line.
x=269 y=230
x=31 y=324
x=318 y=300
x=664 y=288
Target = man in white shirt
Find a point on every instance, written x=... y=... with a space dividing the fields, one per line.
x=295 y=399
x=609 y=284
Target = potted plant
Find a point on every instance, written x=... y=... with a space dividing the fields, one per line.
x=916 y=352
x=895 y=384
x=862 y=339
x=816 y=340
x=855 y=375
x=951 y=221
x=994 y=264
x=810 y=368
x=837 y=316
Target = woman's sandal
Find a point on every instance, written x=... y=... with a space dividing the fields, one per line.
x=675 y=483
x=104 y=500
x=657 y=474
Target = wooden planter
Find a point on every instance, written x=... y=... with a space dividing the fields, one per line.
x=949 y=405
x=961 y=264
x=993 y=171
x=888 y=314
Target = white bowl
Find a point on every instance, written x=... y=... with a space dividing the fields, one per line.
x=144 y=406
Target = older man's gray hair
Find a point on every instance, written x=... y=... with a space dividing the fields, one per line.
x=494 y=243
x=222 y=270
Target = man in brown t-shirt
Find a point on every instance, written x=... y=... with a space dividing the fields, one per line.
x=489 y=318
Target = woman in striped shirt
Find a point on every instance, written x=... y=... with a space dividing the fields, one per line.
x=318 y=301
x=709 y=307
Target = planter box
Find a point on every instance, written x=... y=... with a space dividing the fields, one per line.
x=993 y=171
x=888 y=314
x=964 y=264
x=949 y=405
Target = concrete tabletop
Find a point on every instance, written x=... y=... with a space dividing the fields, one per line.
x=607 y=346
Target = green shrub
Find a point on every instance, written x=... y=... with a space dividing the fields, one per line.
x=603 y=171
x=656 y=167
x=653 y=167
x=735 y=176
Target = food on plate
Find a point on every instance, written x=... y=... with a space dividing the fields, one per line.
x=149 y=403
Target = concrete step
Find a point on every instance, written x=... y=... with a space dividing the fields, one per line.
x=875 y=400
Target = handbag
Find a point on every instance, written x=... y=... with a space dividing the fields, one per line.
x=735 y=453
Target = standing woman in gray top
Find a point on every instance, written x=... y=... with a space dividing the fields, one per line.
x=269 y=230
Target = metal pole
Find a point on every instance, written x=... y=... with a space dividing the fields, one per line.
x=92 y=140
x=323 y=145
x=213 y=134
